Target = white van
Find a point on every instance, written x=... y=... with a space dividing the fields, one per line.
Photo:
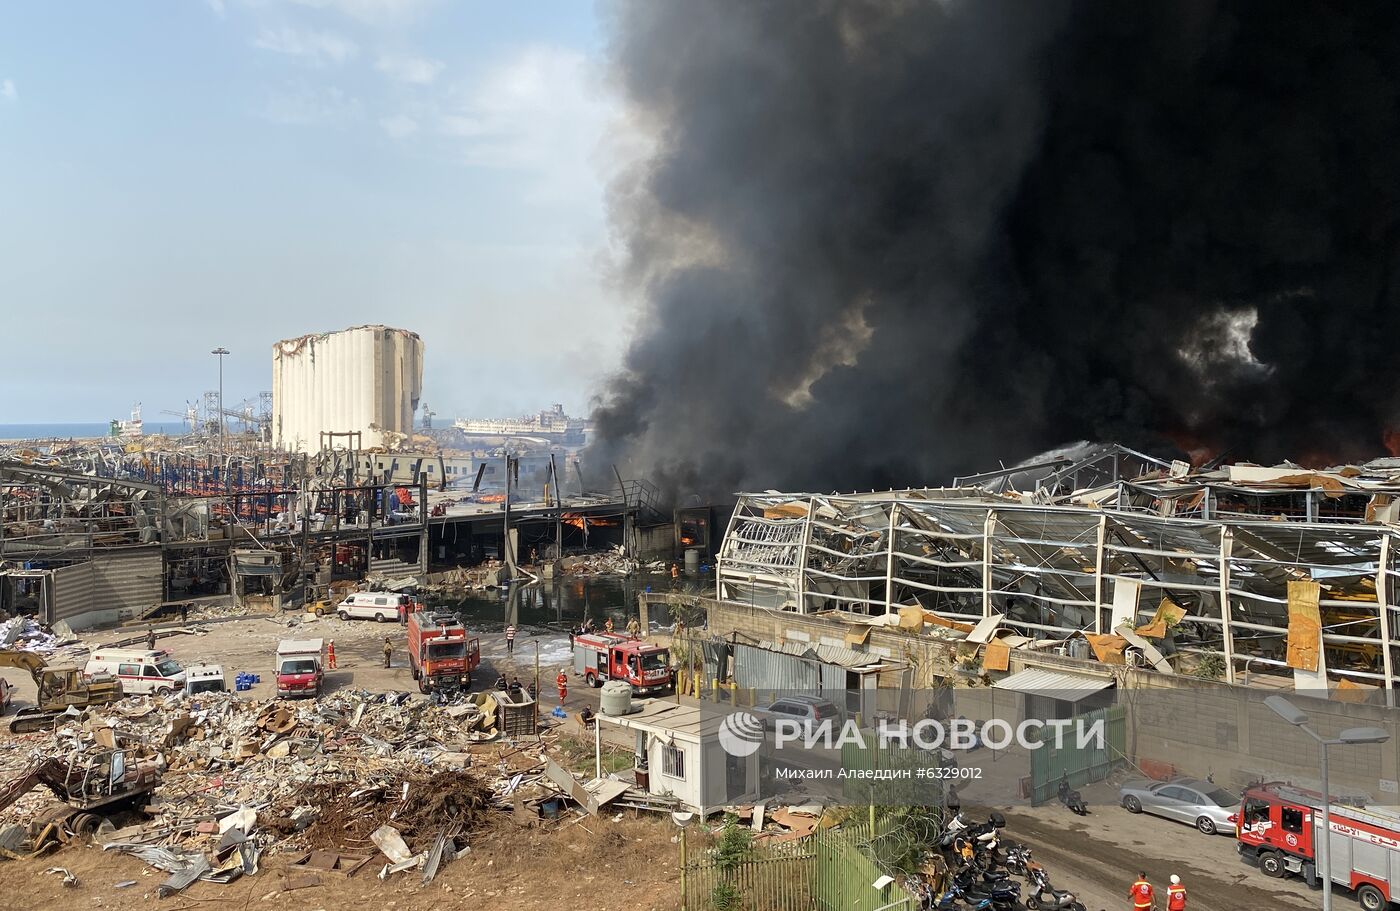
x=140 y=671
x=205 y=678
x=379 y=606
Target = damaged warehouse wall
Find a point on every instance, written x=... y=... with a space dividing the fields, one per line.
x=1102 y=562
x=1191 y=725
x=108 y=588
x=365 y=380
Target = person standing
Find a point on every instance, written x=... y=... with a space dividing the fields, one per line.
x=634 y=627
x=1176 y=895
x=388 y=650
x=151 y=638
x=562 y=682
x=608 y=626
x=330 y=654
x=1141 y=893
x=510 y=639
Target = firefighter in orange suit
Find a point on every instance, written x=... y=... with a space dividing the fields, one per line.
x=563 y=683
x=1141 y=893
x=1176 y=895
x=330 y=654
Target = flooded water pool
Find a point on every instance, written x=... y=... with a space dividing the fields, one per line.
x=564 y=603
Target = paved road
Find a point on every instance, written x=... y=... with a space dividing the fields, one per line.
x=1098 y=857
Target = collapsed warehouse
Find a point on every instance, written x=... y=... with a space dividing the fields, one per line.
x=1226 y=572
x=95 y=534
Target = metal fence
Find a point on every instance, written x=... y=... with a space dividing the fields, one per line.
x=1079 y=765
x=831 y=870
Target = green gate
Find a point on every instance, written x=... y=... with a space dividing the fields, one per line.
x=1081 y=764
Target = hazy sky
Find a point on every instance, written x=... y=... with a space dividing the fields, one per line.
x=180 y=175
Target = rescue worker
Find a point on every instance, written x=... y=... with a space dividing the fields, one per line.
x=151 y=638
x=510 y=639
x=634 y=628
x=1141 y=893
x=1176 y=895
x=330 y=654
x=562 y=682
x=388 y=650
x=675 y=571
x=534 y=690
x=608 y=626
x=515 y=689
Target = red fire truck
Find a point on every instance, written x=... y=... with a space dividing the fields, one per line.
x=439 y=652
x=1278 y=824
x=610 y=656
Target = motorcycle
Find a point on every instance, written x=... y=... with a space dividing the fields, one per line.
x=1018 y=860
x=950 y=899
x=1047 y=898
x=1003 y=894
x=1072 y=798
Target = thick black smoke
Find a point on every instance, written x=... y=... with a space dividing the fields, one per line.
x=879 y=243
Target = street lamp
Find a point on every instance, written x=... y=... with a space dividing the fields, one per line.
x=220 y=352
x=1299 y=719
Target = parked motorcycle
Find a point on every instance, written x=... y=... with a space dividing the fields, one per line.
x=1047 y=898
x=1072 y=798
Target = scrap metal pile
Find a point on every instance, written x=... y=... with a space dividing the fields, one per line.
x=346 y=776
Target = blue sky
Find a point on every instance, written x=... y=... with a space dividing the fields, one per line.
x=180 y=175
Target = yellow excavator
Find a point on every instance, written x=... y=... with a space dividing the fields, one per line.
x=58 y=689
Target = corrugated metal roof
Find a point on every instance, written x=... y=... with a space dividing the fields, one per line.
x=1037 y=681
x=831 y=654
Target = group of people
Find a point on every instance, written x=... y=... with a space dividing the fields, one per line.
x=1144 y=897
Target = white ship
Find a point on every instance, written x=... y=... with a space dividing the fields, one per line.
x=553 y=425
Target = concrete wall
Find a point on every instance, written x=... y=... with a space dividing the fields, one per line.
x=366 y=379
x=1199 y=727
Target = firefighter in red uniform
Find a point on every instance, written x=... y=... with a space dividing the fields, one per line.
x=563 y=683
x=1176 y=895
x=330 y=654
x=1141 y=893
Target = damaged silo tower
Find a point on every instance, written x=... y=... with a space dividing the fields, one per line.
x=365 y=380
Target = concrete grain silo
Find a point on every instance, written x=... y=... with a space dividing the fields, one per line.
x=364 y=380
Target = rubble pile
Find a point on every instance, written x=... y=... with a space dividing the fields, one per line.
x=351 y=775
x=612 y=562
x=26 y=635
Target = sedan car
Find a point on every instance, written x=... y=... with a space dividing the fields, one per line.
x=1201 y=803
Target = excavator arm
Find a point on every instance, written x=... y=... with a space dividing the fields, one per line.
x=49 y=771
x=29 y=661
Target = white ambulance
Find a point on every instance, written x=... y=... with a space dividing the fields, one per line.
x=140 y=671
x=380 y=606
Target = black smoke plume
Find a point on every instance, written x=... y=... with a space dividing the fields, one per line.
x=879 y=243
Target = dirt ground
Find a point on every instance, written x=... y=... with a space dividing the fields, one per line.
x=1095 y=856
x=595 y=863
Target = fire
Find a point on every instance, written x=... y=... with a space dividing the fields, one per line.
x=491 y=498
x=577 y=519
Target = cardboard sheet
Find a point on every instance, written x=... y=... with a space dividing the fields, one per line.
x=1107 y=647
x=996 y=656
x=1304 y=626
x=1168 y=613
x=932 y=619
x=911 y=618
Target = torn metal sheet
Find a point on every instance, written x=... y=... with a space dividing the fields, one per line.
x=388 y=840
x=1149 y=651
x=984 y=630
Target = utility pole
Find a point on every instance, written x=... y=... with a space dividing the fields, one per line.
x=220 y=352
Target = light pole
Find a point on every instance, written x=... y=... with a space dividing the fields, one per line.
x=220 y=352
x=1299 y=719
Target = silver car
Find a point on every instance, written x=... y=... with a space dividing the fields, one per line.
x=1204 y=805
